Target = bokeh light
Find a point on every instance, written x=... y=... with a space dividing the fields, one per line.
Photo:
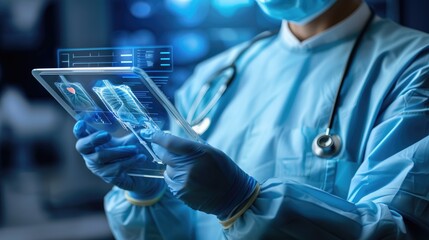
x=189 y=46
x=141 y=9
x=229 y=7
x=141 y=37
x=189 y=13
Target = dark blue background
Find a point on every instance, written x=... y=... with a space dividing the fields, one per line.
x=45 y=187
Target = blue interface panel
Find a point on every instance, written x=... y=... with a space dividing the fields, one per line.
x=150 y=59
x=156 y=61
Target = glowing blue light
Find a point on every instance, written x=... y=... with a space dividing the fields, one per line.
x=227 y=3
x=140 y=37
x=141 y=9
x=229 y=7
x=189 y=12
x=231 y=36
x=178 y=77
x=180 y=3
x=143 y=37
x=189 y=46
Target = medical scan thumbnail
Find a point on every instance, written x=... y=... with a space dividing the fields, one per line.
x=76 y=95
x=79 y=99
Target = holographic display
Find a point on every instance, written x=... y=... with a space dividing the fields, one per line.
x=119 y=100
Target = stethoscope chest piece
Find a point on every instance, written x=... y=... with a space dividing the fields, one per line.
x=326 y=145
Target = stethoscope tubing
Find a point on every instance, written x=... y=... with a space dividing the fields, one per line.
x=204 y=89
x=319 y=149
x=349 y=62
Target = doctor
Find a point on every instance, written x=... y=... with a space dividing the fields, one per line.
x=322 y=133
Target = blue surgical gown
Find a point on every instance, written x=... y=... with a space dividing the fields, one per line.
x=377 y=187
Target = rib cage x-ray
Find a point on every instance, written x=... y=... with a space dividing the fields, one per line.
x=122 y=102
x=127 y=109
x=114 y=99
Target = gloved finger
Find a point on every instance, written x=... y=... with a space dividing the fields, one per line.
x=112 y=155
x=165 y=156
x=112 y=169
x=81 y=129
x=174 y=178
x=129 y=139
x=173 y=144
x=140 y=164
x=176 y=160
x=87 y=145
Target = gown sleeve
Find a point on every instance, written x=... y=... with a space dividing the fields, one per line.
x=167 y=219
x=388 y=195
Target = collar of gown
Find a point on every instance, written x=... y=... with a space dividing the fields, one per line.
x=347 y=27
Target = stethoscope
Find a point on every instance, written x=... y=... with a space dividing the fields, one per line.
x=325 y=145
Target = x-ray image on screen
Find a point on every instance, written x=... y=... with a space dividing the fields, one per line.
x=76 y=95
x=127 y=109
x=80 y=100
x=118 y=100
x=124 y=105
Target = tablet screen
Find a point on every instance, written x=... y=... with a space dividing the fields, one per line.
x=120 y=100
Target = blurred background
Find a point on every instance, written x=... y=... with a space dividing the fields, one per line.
x=46 y=192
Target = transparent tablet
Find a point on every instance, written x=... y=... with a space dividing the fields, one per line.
x=120 y=100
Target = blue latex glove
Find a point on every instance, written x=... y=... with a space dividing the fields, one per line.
x=203 y=177
x=112 y=158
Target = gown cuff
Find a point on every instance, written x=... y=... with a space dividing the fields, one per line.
x=230 y=221
x=136 y=199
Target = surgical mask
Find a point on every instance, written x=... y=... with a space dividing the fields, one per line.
x=296 y=11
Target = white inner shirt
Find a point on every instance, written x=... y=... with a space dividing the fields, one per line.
x=348 y=26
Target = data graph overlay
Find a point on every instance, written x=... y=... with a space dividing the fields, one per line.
x=150 y=59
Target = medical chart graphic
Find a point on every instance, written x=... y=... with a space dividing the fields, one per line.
x=151 y=59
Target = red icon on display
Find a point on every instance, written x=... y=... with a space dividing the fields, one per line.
x=71 y=90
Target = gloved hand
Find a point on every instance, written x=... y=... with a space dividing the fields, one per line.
x=111 y=158
x=203 y=177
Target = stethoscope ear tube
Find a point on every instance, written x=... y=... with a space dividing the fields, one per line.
x=227 y=75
